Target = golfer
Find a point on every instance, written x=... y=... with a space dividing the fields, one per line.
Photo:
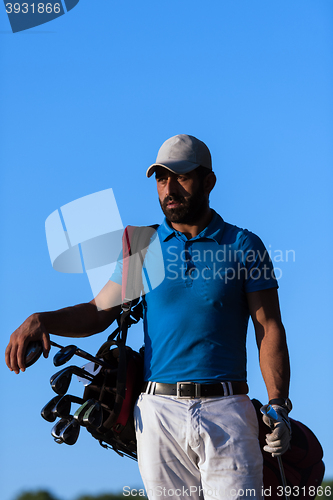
x=197 y=430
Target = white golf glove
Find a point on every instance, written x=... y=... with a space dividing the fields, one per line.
x=278 y=440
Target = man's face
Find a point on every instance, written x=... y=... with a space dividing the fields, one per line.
x=182 y=197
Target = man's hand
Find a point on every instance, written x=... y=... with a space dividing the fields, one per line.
x=31 y=329
x=81 y=320
x=279 y=439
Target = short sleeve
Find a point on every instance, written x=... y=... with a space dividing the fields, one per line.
x=259 y=271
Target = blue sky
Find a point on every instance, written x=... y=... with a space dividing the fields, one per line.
x=86 y=101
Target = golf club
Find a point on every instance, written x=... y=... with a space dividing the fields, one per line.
x=33 y=352
x=35 y=348
x=80 y=412
x=93 y=417
x=70 y=432
x=47 y=410
x=62 y=408
x=272 y=415
x=66 y=353
x=58 y=427
x=60 y=381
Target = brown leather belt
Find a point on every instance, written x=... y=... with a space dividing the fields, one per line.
x=190 y=390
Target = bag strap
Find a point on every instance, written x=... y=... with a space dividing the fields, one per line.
x=135 y=241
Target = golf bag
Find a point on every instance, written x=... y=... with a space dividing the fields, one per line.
x=303 y=465
x=116 y=389
x=114 y=424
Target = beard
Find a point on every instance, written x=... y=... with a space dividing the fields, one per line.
x=190 y=210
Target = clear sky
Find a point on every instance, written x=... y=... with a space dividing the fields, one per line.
x=86 y=101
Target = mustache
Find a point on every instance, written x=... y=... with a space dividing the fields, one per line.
x=175 y=198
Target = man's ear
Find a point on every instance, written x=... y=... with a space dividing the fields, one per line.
x=209 y=182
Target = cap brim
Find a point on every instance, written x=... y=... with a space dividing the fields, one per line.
x=177 y=167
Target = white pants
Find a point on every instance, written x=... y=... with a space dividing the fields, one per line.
x=198 y=448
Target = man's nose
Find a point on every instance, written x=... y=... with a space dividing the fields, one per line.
x=171 y=186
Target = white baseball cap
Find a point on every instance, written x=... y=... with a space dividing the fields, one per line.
x=181 y=154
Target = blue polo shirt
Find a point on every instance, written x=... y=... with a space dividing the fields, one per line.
x=195 y=321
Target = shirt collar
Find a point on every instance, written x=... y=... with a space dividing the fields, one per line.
x=213 y=231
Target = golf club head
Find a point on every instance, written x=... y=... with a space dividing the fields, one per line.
x=58 y=428
x=62 y=407
x=70 y=432
x=55 y=375
x=80 y=412
x=64 y=355
x=60 y=381
x=33 y=352
x=93 y=417
x=47 y=410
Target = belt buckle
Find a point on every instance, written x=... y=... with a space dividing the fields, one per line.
x=196 y=394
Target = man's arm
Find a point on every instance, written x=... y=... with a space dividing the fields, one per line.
x=81 y=320
x=271 y=340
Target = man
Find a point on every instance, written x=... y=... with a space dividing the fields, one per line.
x=197 y=430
